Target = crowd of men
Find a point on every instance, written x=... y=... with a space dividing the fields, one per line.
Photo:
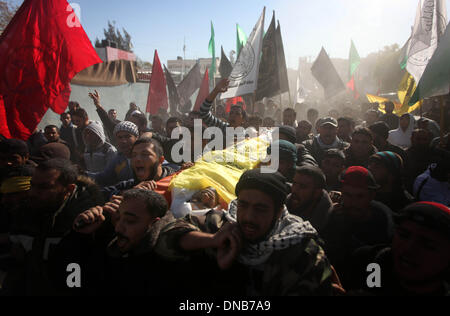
x=352 y=189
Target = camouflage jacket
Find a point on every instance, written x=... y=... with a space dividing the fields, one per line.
x=301 y=269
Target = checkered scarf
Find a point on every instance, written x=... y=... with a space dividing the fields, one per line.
x=288 y=230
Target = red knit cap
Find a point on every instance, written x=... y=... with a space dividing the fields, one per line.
x=430 y=214
x=360 y=177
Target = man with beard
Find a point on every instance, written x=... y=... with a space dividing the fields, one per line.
x=286 y=156
x=380 y=133
x=67 y=130
x=146 y=161
x=327 y=139
x=303 y=131
x=333 y=164
x=268 y=250
x=418 y=157
x=387 y=169
x=99 y=153
x=290 y=117
x=56 y=197
x=390 y=118
x=346 y=125
x=236 y=118
x=361 y=148
x=119 y=169
x=417 y=262
x=357 y=221
x=309 y=199
x=114 y=246
x=14 y=154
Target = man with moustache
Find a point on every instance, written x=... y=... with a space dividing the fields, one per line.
x=146 y=161
x=309 y=199
x=357 y=221
x=417 y=262
x=119 y=169
x=56 y=197
x=327 y=139
x=114 y=246
x=268 y=250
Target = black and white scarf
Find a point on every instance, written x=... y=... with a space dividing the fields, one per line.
x=288 y=230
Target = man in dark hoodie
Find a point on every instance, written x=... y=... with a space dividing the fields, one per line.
x=387 y=169
x=98 y=153
x=57 y=196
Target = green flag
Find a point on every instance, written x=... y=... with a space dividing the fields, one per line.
x=435 y=80
x=241 y=39
x=354 y=60
x=212 y=51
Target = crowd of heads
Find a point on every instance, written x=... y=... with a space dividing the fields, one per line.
x=348 y=176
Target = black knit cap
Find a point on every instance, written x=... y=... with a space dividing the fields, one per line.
x=273 y=184
x=289 y=132
x=14 y=146
x=430 y=214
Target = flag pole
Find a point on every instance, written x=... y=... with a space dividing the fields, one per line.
x=442 y=122
x=215 y=100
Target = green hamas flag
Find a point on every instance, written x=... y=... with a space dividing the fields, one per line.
x=212 y=51
x=241 y=39
x=435 y=80
x=354 y=60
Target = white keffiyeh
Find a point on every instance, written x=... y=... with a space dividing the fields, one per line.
x=288 y=230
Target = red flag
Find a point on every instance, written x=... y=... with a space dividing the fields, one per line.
x=351 y=86
x=4 y=130
x=203 y=93
x=157 y=94
x=41 y=50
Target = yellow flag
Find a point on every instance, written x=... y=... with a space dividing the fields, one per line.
x=405 y=91
x=380 y=100
x=221 y=169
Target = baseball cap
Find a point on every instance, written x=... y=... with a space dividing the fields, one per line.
x=329 y=120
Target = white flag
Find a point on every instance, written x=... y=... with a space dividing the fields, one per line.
x=244 y=77
x=429 y=26
x=301 y=93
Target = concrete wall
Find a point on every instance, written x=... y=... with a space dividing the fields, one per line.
x=118 y=97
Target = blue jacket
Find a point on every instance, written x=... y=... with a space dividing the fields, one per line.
x=118 y=169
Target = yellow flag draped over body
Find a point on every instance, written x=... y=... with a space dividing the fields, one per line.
x=221 y=169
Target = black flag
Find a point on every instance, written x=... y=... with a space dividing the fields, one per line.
x=189 y=84
x=282 y=69
x=174 y=98
x=225 y=66
x=325 y=73
x=268 y=78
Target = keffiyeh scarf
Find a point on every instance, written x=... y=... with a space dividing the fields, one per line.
x=288 y=230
